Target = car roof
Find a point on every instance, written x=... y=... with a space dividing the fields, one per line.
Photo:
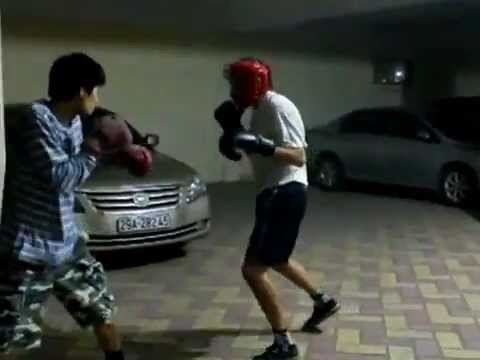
x=382 y=109
x=336 y=121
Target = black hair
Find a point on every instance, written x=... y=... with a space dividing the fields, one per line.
x=69 y=73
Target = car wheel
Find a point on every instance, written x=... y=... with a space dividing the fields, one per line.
x=457 y=186
x=329 y=174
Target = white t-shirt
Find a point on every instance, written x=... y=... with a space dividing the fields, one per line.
x=278 y=119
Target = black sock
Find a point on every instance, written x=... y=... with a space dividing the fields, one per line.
x=282 y=338
x=114 y=355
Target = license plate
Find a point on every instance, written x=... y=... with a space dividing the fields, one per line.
x=142 y=223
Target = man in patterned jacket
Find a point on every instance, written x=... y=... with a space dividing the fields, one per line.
x=40 y=247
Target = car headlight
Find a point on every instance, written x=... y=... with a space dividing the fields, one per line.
x=195 y=190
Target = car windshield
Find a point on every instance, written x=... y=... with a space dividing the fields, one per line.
x=459 y=123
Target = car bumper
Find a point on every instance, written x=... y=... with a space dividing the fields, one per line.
x=188 y=222
x=98 y=243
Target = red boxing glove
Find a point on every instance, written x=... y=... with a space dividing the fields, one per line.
x=113 y=133
x=139 y=159
x=93 y=146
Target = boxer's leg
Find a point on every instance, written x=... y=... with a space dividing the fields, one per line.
x=297 y=274
x=24 y=290
x=109 y=340
x=293 y=207
x=82 y=288
x=256 y=276
x=324 y=305
x=268 y=248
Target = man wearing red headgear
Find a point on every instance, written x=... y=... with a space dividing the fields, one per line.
x=275 y=144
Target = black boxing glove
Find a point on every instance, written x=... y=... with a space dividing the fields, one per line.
x=251 y=143
x=225 y=145
x=228 y=115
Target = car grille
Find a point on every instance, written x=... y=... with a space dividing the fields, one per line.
x=160 y=197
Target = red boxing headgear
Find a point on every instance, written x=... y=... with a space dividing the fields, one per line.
x=250 y=79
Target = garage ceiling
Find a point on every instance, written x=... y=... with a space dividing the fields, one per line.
x=352 y=27
x=450 y=27
x=204 y=15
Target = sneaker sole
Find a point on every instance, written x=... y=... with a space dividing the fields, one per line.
x=313 y=327
x=294 y=357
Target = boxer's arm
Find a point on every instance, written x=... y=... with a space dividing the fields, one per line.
x=251 y=143
x=290 y=155
x=61 y=171
x=291 y=150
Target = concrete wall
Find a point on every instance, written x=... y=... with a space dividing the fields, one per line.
x=171 y=88
x=467 y=80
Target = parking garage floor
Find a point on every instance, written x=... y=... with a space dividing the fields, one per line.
x=406 y=271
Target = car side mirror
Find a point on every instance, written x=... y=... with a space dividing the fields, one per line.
x=152 y=140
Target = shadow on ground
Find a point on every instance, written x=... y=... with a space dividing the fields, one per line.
x=171 y=345
x=126 y=259
x=474 y=210
x=398 y=192
x=392 y=191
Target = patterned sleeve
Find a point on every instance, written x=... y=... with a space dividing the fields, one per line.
x=61 y=171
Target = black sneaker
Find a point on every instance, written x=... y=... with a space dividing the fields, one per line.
x=323 y=308
x=277 y=352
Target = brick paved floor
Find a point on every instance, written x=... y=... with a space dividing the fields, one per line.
x=406 y=271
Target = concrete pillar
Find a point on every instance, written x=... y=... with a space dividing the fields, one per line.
x=2 y=127
x=433 y=77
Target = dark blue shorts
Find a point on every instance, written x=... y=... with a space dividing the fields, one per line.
x=278 y=215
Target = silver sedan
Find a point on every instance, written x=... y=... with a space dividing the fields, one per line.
x=117 y=210
x=398 y=147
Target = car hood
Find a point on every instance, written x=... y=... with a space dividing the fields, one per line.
x=165 y=171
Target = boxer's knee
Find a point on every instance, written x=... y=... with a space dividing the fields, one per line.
x=247 y=272
x=252 y=271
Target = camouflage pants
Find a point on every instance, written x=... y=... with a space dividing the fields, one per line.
x=80 y=285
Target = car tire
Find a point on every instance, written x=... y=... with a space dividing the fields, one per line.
x=329 y=173
x=457 y=186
